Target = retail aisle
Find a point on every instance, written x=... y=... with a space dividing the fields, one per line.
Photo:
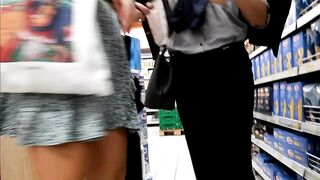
x=169 y=157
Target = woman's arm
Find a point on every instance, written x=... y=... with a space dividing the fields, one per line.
x=255 y=11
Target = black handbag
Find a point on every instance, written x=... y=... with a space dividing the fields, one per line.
x=160 y=93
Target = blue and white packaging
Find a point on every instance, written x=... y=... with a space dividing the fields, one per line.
x=257 y=67
x=283 y=175
x=283 y=104
x=293 y=14
x=298 y=156
x=299 y=48
x=290 y=101
x=276 y=99
x=262 y=66
x=315 y=28
x=279 y=59
x=298 y=101
x=268 y=139
x=279 y=134
x=273 y=63
x=266 y=58
x=287 y=53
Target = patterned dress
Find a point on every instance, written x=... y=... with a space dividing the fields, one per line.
x=51 y=119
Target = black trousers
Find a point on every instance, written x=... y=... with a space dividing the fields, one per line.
x=214 y=92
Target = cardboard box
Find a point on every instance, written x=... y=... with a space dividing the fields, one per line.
x=273 y=63
x=290 y=101
x=257 y=67
x=280 y=135
x=270 y=169
x=255 y=100
x=303 y=144
x=264 y=158
x=268 y=139
x=283 y=104
x=262 y=66
x=287 y=53
x=267 y=60
x=298 y=101
x=315 y=27
x=299 y=48
x=268 y=102
x=282 y=174
x=276 y=99
x=293 y=14
x=279 y=59
x=260 y=99
x=296 y=155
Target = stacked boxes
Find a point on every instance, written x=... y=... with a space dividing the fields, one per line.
x=267 y=100
x=276 y=99
x=279 y=59
x=295 y=146
x=286 y=54
x=266 y=59
x=299 y=48
x=273 y=63
x=298 y=101
x=283 y=105
x=262 y=66
x=293 y=14
x=289 y=101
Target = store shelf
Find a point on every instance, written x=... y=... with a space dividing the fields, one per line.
x=311 y=128
x=309 y=16
x=307 y=127
x=288 y=30
x=260 y=171
x=296 y=167
x=281 y=121
x=281 y=75
x=311 y=175
x=309 y=67
x=257 y=52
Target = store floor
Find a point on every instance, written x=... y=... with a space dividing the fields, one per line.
x=169 y=157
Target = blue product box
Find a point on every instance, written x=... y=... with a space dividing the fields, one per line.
x=293 y=14
x=290 y=101
x=257 y=67
x=298 y=101
x=267 y=60
x=287 y=54
x=298 y=156
x=299 y=48
x=280 y=135
x=253 y=69
x=268 y=139
x=301 y=143
x=276 y=99
x=282 y=148
x=273 y=63
x=315 y=27
x=135 y=54
x=263 y=158
x=279 y=67
x=267 y=99
x=283 y=105
x=283 y=175
x=270 y=170
x=262 y=66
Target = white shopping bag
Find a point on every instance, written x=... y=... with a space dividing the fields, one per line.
x=52 y=46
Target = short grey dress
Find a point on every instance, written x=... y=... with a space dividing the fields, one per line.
x=51 y=119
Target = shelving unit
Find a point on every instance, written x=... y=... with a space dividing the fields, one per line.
x=307 y=127
x=298 y=126
x=260 y=171
x=296 y=167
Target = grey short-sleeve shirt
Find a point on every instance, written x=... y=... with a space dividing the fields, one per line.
x=223 y=25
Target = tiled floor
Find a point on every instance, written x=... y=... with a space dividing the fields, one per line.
x=169 y=157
